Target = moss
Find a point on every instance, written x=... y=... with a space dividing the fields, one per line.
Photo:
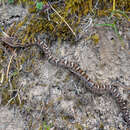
x=1 y=53
x=67 y=78
x=5 y=96
x=95 y=38
x=101 y=126
x=72 y=11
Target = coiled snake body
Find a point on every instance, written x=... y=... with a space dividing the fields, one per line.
x=75 y=68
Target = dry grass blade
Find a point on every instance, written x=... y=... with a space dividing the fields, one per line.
x=62 y=19
x=114 y=4
x=2 y=76
x=7 y=73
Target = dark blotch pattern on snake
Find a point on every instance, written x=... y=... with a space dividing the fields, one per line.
x=75 y=68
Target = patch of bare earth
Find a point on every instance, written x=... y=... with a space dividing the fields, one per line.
x=58 y=98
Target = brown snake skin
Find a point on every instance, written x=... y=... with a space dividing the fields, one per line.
x=75 y=68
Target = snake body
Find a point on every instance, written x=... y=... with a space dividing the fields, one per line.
x=75 y=68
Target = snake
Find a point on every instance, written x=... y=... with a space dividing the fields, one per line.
x=98 y=88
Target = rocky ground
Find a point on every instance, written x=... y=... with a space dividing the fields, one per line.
x=57 y=99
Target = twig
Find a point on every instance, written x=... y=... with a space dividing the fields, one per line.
x=9 y=67
x=11 y=100
x=62 y=19
x=38 y=118
x=2 y=76
x=87 y=25
x=17 y=94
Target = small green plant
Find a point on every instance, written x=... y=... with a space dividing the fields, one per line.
x=110 y=25
x=39 y=5
x=115 y=30
x=119 y=12
x=10 y=1
x=45 y=126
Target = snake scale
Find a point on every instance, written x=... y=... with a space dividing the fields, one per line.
x=75 y=68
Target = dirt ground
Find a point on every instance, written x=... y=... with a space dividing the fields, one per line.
x=57 y=99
